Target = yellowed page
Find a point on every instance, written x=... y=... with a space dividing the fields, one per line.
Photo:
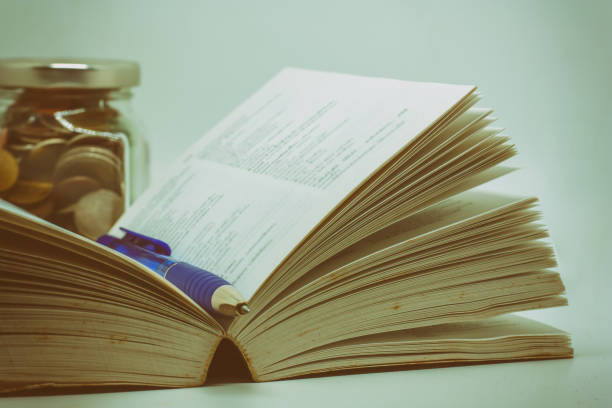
x=504 y=338
x=14 y=220
x=252 y=187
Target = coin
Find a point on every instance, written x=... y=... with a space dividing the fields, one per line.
x=65 y=151
x=94 y=162
x=9 y=170
x=41 y=160
x=33 y=132
x=96 y=212
x=99 y=167
x=26 y=192
x=70 y=189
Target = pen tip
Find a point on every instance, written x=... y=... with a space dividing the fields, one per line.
x=243 y=309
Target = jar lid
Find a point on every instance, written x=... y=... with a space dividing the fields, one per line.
x=68 y=73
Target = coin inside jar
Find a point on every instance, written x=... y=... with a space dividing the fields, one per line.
x=65 y=134
x=40 y=162
x=95 y=162
x=34 y=132
x=70 y=189
x=9 y=170
x=96 y=212
x=26 y=192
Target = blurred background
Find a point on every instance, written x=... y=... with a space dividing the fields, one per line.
x=544 y=66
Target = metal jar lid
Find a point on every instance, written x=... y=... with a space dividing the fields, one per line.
x=68 y=73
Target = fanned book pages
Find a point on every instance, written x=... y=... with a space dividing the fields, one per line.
x=341 y=206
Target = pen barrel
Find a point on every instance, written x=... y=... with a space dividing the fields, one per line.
x=198 y=284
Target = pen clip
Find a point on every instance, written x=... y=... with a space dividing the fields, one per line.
x=145 y=242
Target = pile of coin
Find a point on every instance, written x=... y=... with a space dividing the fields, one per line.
x=64 y=166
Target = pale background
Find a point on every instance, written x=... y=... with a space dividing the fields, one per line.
x=544 y=66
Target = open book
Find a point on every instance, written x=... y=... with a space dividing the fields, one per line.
x=340 y=206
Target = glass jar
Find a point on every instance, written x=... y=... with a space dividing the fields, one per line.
x=70 y=150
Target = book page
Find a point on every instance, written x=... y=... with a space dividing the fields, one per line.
x=457 y=209
x=241 y=198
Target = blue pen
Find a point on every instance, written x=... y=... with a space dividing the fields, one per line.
x=208 y=290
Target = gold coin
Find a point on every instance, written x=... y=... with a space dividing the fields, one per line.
x=26 y=192
x=96 y=212
x=70 y=189
x=41 y=160
x=9 y=170
x=95 y=162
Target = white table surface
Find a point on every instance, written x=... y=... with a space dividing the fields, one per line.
x=581 y=382
x=544 y=66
